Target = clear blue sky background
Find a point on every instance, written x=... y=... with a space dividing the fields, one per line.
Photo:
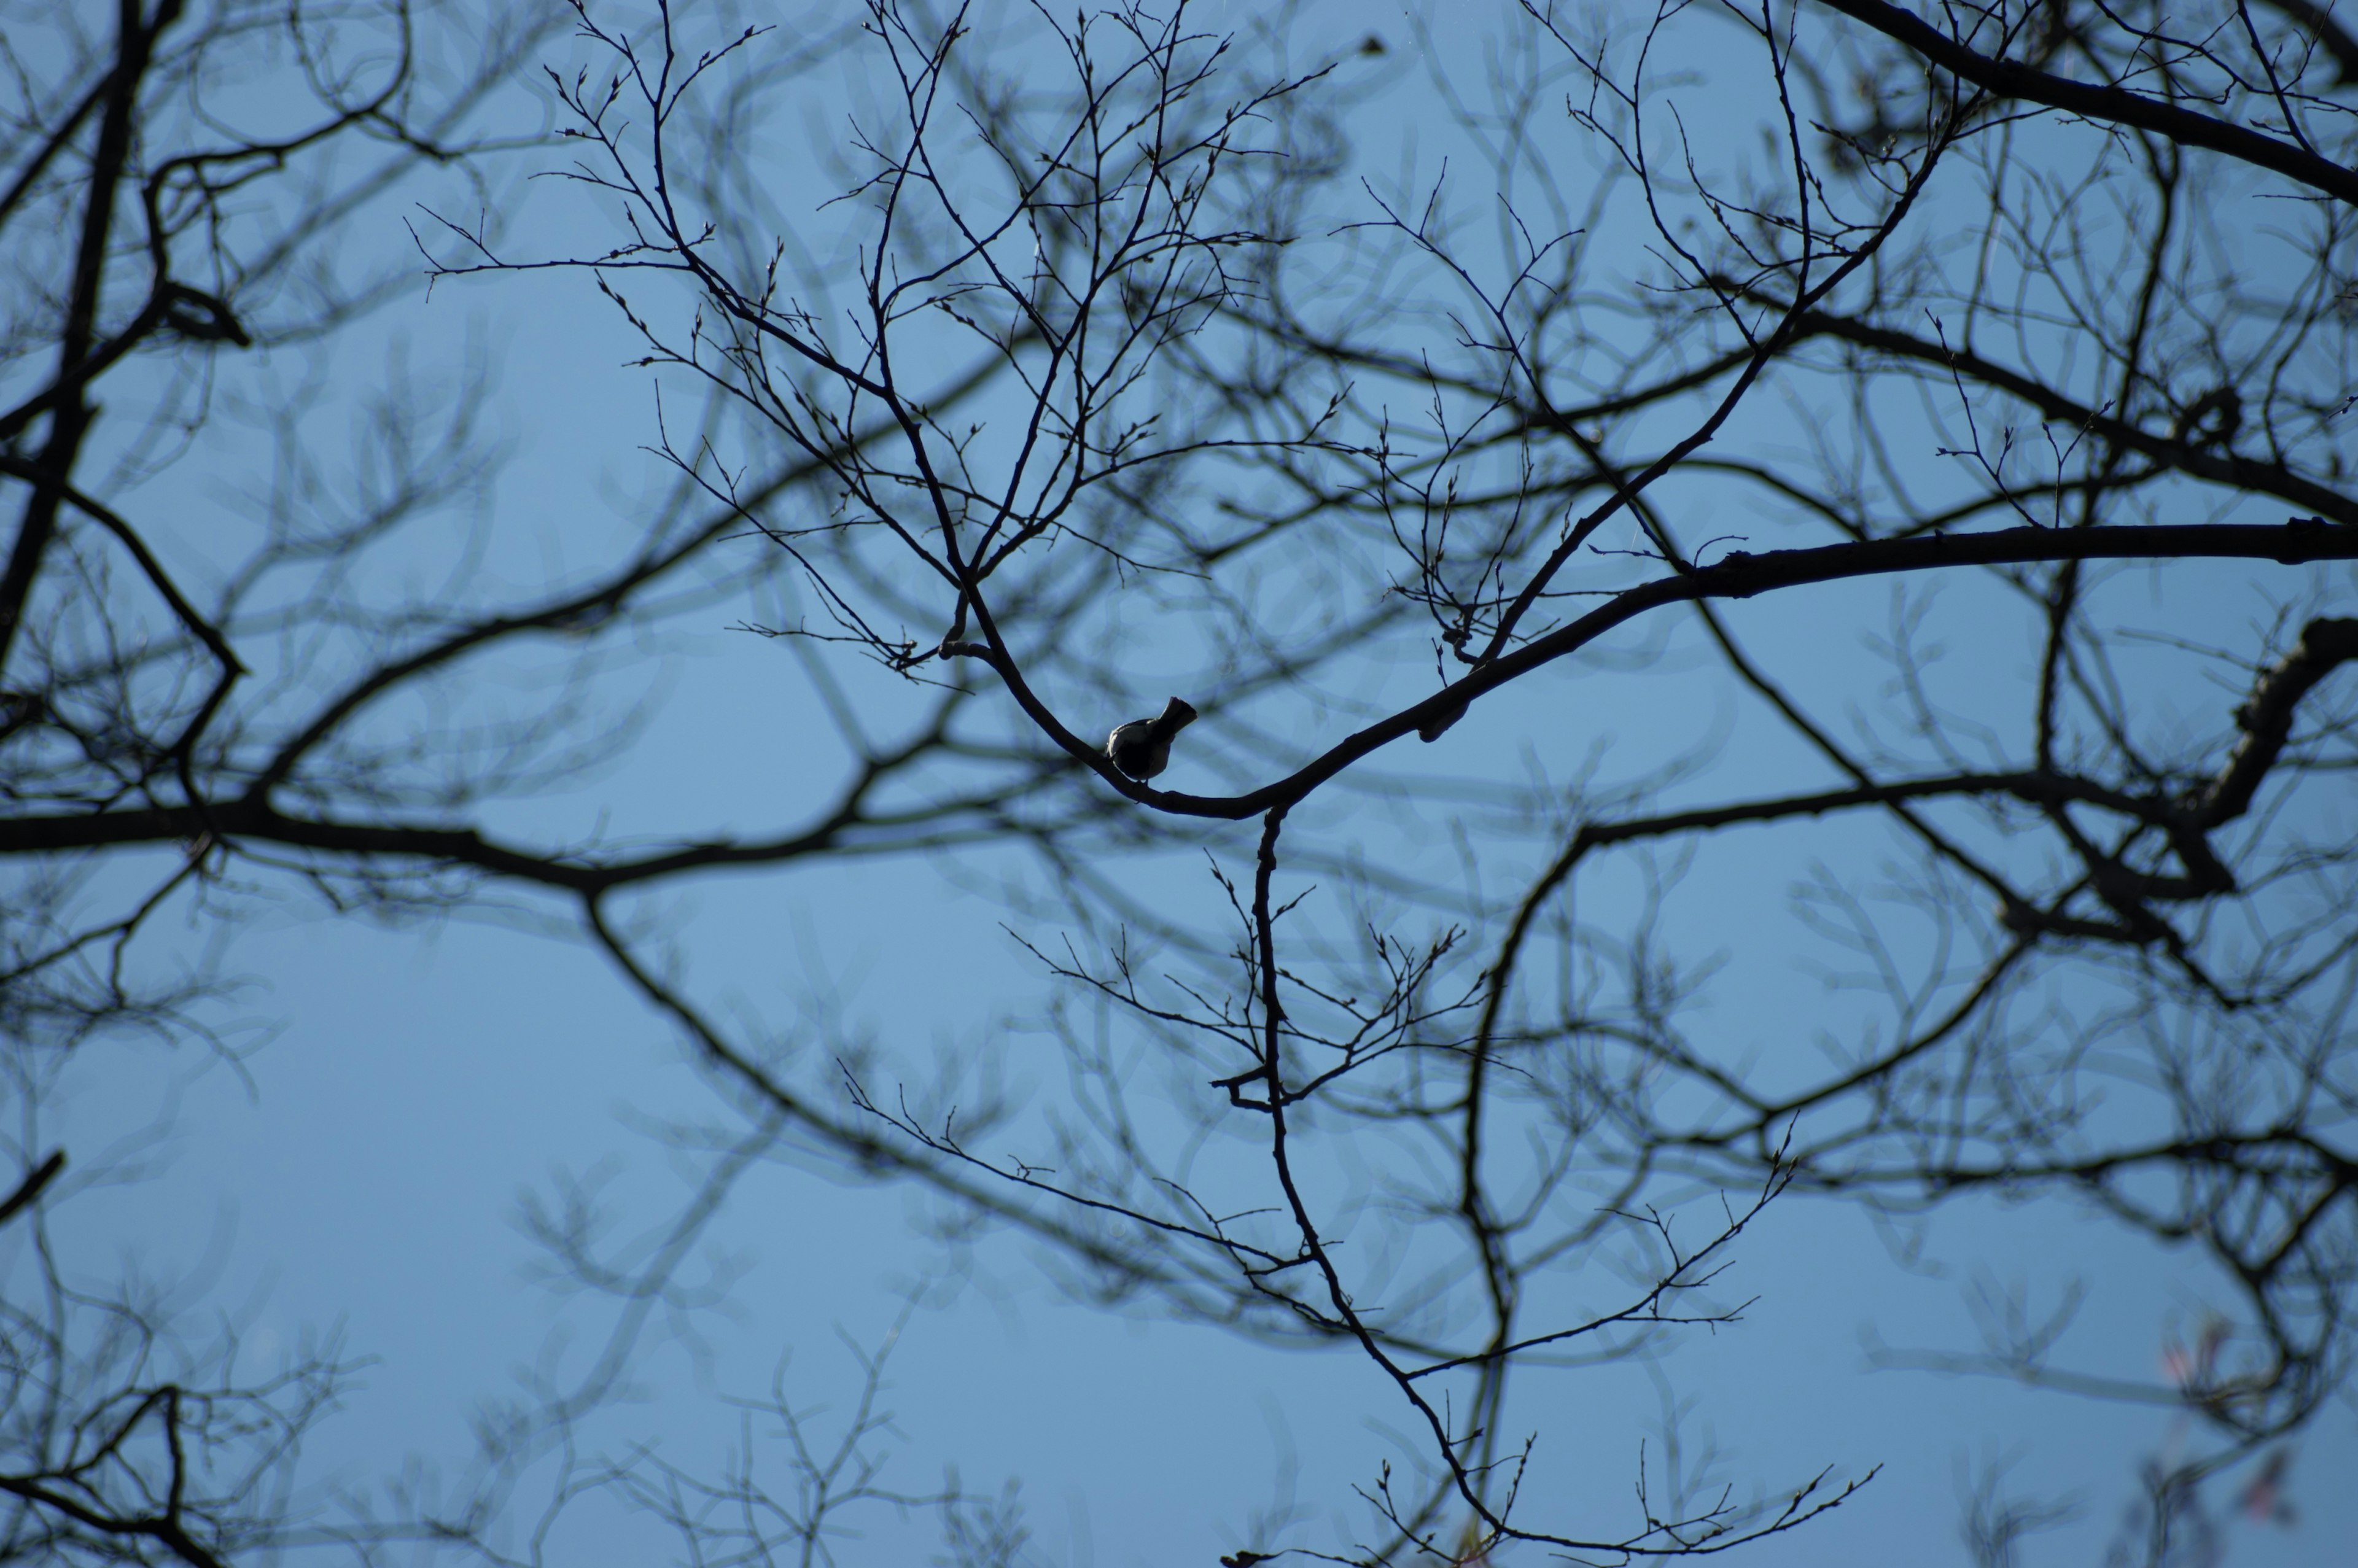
x=365 y=1167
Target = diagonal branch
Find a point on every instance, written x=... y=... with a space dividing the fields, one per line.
x=2102 y=102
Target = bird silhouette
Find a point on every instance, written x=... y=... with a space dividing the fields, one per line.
x=1141 y=748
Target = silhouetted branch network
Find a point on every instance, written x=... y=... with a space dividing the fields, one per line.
x=1147 y=248
x=1181 y=339
x=1106 y=368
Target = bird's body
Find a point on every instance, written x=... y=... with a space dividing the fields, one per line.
x=1141 y=748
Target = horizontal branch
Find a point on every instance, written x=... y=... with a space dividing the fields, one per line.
x=1743 y=576
x=2271 y=1153
x=1739 y=575
x=58 y=833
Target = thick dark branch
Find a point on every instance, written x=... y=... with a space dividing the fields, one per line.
x=2107 y=104
x=70 y=421
x=1742 y=576
x=165 y=1529
x=2269 y=1153
x=454 y=847
x=36 y=1180
x=2266 y=718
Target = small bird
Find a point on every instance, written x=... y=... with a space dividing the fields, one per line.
x=1141 y=748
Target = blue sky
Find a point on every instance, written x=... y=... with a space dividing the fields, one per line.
x=363 y=1168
